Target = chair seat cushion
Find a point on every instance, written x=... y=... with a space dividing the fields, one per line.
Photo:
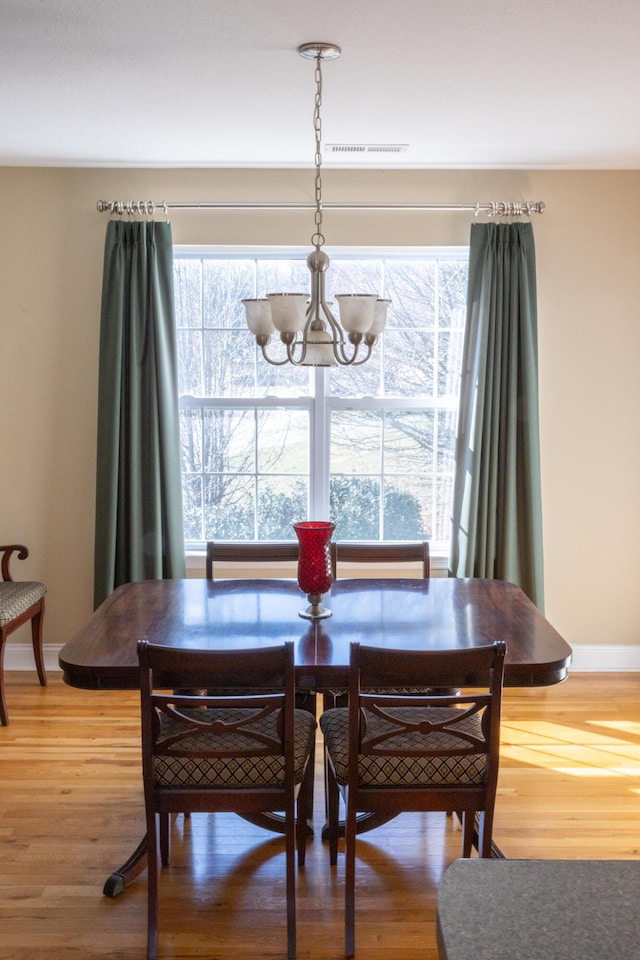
x=232 y=771
x=387 y=769
x=17 y=596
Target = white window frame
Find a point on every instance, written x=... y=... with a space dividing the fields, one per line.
x=319 y=403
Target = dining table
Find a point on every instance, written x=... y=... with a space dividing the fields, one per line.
x=435 y=614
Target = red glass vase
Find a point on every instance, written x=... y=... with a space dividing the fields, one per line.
x=314 y=564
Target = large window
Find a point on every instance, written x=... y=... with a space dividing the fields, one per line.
x=370 y=447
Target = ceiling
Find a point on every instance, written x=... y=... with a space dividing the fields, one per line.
x=206 y=83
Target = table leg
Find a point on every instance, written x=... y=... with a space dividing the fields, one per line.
x=126 y=874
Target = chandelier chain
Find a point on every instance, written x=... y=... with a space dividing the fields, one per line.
x=318 y=239
x=311 y=335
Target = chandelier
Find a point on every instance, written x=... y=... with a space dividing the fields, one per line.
x=311 y=334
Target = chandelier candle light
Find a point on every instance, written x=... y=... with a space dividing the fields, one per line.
x=311 y=334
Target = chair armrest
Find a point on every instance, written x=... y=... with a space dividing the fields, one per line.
x=7 y=552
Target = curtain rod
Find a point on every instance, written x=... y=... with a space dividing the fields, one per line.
x=494 y=208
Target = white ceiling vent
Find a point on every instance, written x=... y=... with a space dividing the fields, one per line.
x=366 y=147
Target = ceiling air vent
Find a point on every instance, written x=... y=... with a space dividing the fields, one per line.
x=366 y=147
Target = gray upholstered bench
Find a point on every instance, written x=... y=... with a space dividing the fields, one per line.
x=539 y=910
x=20 y=601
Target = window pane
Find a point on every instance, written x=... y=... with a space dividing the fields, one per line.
x=281 y=503
x=283 y=442
x=411 y=287
x=356 y=441
x=409 y=363
x=355 y=508
x=282 y=276
x=441 y=529
x=229 y=507
x=407 y=509
x=187 y=291
x=229 y=441
x=192 y=507
x=452 y=293
x=229 y=362
x=190 y=365
x=408 y=443
x=449 y=363
x=191 y=440
x=353 y=276
x=358 y=382
x=225 y=283
x=284 y=381
x=446 y=446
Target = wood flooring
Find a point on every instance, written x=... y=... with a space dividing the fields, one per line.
x=71 y=811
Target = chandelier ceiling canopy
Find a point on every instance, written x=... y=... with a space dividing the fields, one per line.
x=311 y=334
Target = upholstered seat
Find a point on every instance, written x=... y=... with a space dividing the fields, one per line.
x=17 y=598
x=20 y=601
x=233 y=731
x=414 y=725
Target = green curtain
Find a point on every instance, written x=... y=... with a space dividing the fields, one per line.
x=138 y=532
x=497 y=511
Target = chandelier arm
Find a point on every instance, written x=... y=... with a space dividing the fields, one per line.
x=291 y=348
x=336 y=329
x=357 y=363
x=274 y=363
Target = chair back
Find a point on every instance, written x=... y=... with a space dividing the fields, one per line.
x=181 y=715
x=250 y=553
x=380 y=552
x=453 y=726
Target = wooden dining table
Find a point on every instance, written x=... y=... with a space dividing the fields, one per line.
x=434 y=614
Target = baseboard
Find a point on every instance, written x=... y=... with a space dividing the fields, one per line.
x=600 y=658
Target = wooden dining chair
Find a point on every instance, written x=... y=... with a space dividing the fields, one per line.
x=389 y=754
x=21 y=601
x=383 y=553
x=255 y=553
x=233 y=752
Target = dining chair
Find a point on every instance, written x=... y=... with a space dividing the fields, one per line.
x=383 y=553
x=242 y=753
x=256 y=553
x=21 y=601
x=388 y=754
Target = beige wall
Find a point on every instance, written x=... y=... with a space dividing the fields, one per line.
x=51 y=242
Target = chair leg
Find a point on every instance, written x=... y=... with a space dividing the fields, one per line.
x=165 y=838
x=290 y=845
x=485 y=833
x=36 y=639
x=152 y=886
x=4 y=719
x=468 y=830
x=333 y=810
x=350 y=881
x=304 y=812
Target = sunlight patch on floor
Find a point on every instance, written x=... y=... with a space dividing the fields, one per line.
x=573 y=751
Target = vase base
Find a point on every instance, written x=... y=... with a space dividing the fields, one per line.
x=315 y=612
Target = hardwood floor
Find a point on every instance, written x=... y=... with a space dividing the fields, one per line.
x=71 y=811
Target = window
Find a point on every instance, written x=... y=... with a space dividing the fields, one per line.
x=370 y=447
